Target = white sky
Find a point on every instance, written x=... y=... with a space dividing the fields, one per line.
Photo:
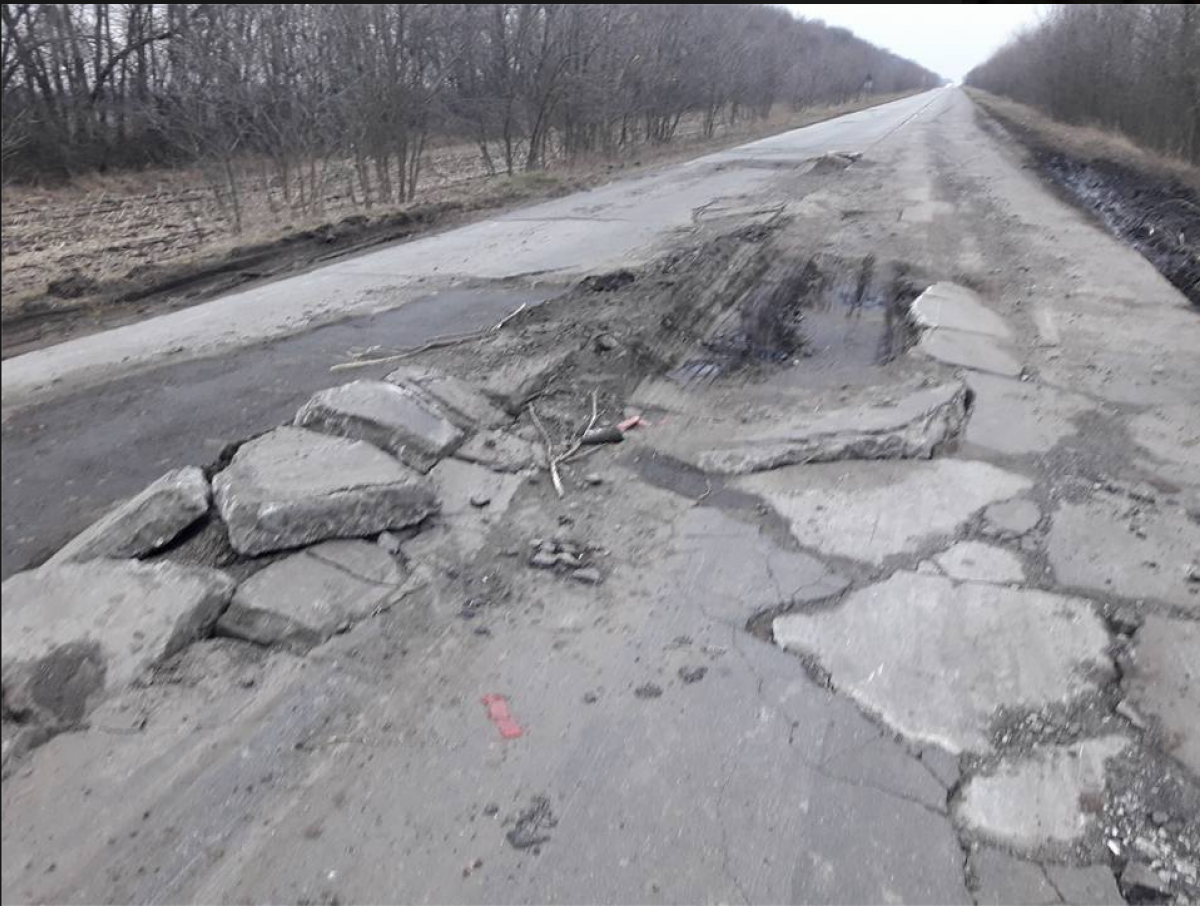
x=948 y=38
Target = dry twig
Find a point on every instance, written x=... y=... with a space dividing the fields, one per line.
x=435 y=343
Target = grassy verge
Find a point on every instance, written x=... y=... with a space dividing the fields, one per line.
x=1085 y=143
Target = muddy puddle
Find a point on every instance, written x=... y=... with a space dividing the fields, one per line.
x=822 y=316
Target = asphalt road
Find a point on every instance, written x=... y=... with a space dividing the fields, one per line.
x=91 y=421
x=368 y=770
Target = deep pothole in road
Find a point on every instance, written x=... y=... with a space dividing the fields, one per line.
x=818 y=313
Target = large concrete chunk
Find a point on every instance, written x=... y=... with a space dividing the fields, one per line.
x=976 y=351
x=869 y=511
x=913 y=428
x=392 y=417
x=1164 y=683
x=1051 y=798
x=292 y=487
x=936 y=659
x=144 y=523
x=302 y=600
x=1122 y=547
x=948 y=305
x=75 y=630
x=466 y=406
x=523 y=374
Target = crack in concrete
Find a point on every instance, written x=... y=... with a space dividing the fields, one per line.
x=342 y=568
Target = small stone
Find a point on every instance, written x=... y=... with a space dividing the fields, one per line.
x=543 y=560
x=569 y=560
x=593 y=479
x=606 y=342
x=1126 y=621
x=589 y=575
x=389 y=542
x=590 y=698
x=1138 y=882
x=1192 y=572
x=648 y=690
x=691 y=675
x=1130 y=713
x=480 y=500
x=1160 y=818
x=491 y=809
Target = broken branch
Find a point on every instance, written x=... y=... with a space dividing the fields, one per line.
x=435 y=343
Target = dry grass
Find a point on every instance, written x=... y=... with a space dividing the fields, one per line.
x=1086 y=142
x=119 y=227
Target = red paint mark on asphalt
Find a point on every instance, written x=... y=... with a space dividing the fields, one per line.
x=498 y=713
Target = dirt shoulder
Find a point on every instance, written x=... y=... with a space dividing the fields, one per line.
x=116 y=250
x=1149 y=201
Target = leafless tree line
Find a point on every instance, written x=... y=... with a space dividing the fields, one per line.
x=361 y=90
x=1134 y=67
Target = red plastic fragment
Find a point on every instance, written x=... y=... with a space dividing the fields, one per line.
x=632 y=422
x=498 y=713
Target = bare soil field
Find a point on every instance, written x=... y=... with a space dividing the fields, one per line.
x=107 y=250
x=1150 y=201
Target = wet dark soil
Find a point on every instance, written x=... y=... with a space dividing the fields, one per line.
x=1159 y=218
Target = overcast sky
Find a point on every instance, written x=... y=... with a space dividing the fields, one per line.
x=947 y=38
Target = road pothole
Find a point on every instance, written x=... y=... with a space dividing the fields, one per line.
x=816 y=313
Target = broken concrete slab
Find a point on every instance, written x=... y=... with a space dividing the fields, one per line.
x=1002 y=880
x=913 y=428
x=1163 y=681
x=73 y=631
x=463 y=403
x=523 y=375
x=870 y=511
x=1019 y=417
x=1135 y=550
x=1091 y=885
x=292 y=487
x=973 y=561
x=974 y=351
x=395 y=418
x=948 y=305
x=501 y=451
x=462 y=527
x=304 y=599
x=1011 y=518
x=732 y=571
x=1050 y=798
x=935 y=659
x=144 y=523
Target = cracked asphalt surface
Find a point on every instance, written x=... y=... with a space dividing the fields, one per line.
x=368 y=770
